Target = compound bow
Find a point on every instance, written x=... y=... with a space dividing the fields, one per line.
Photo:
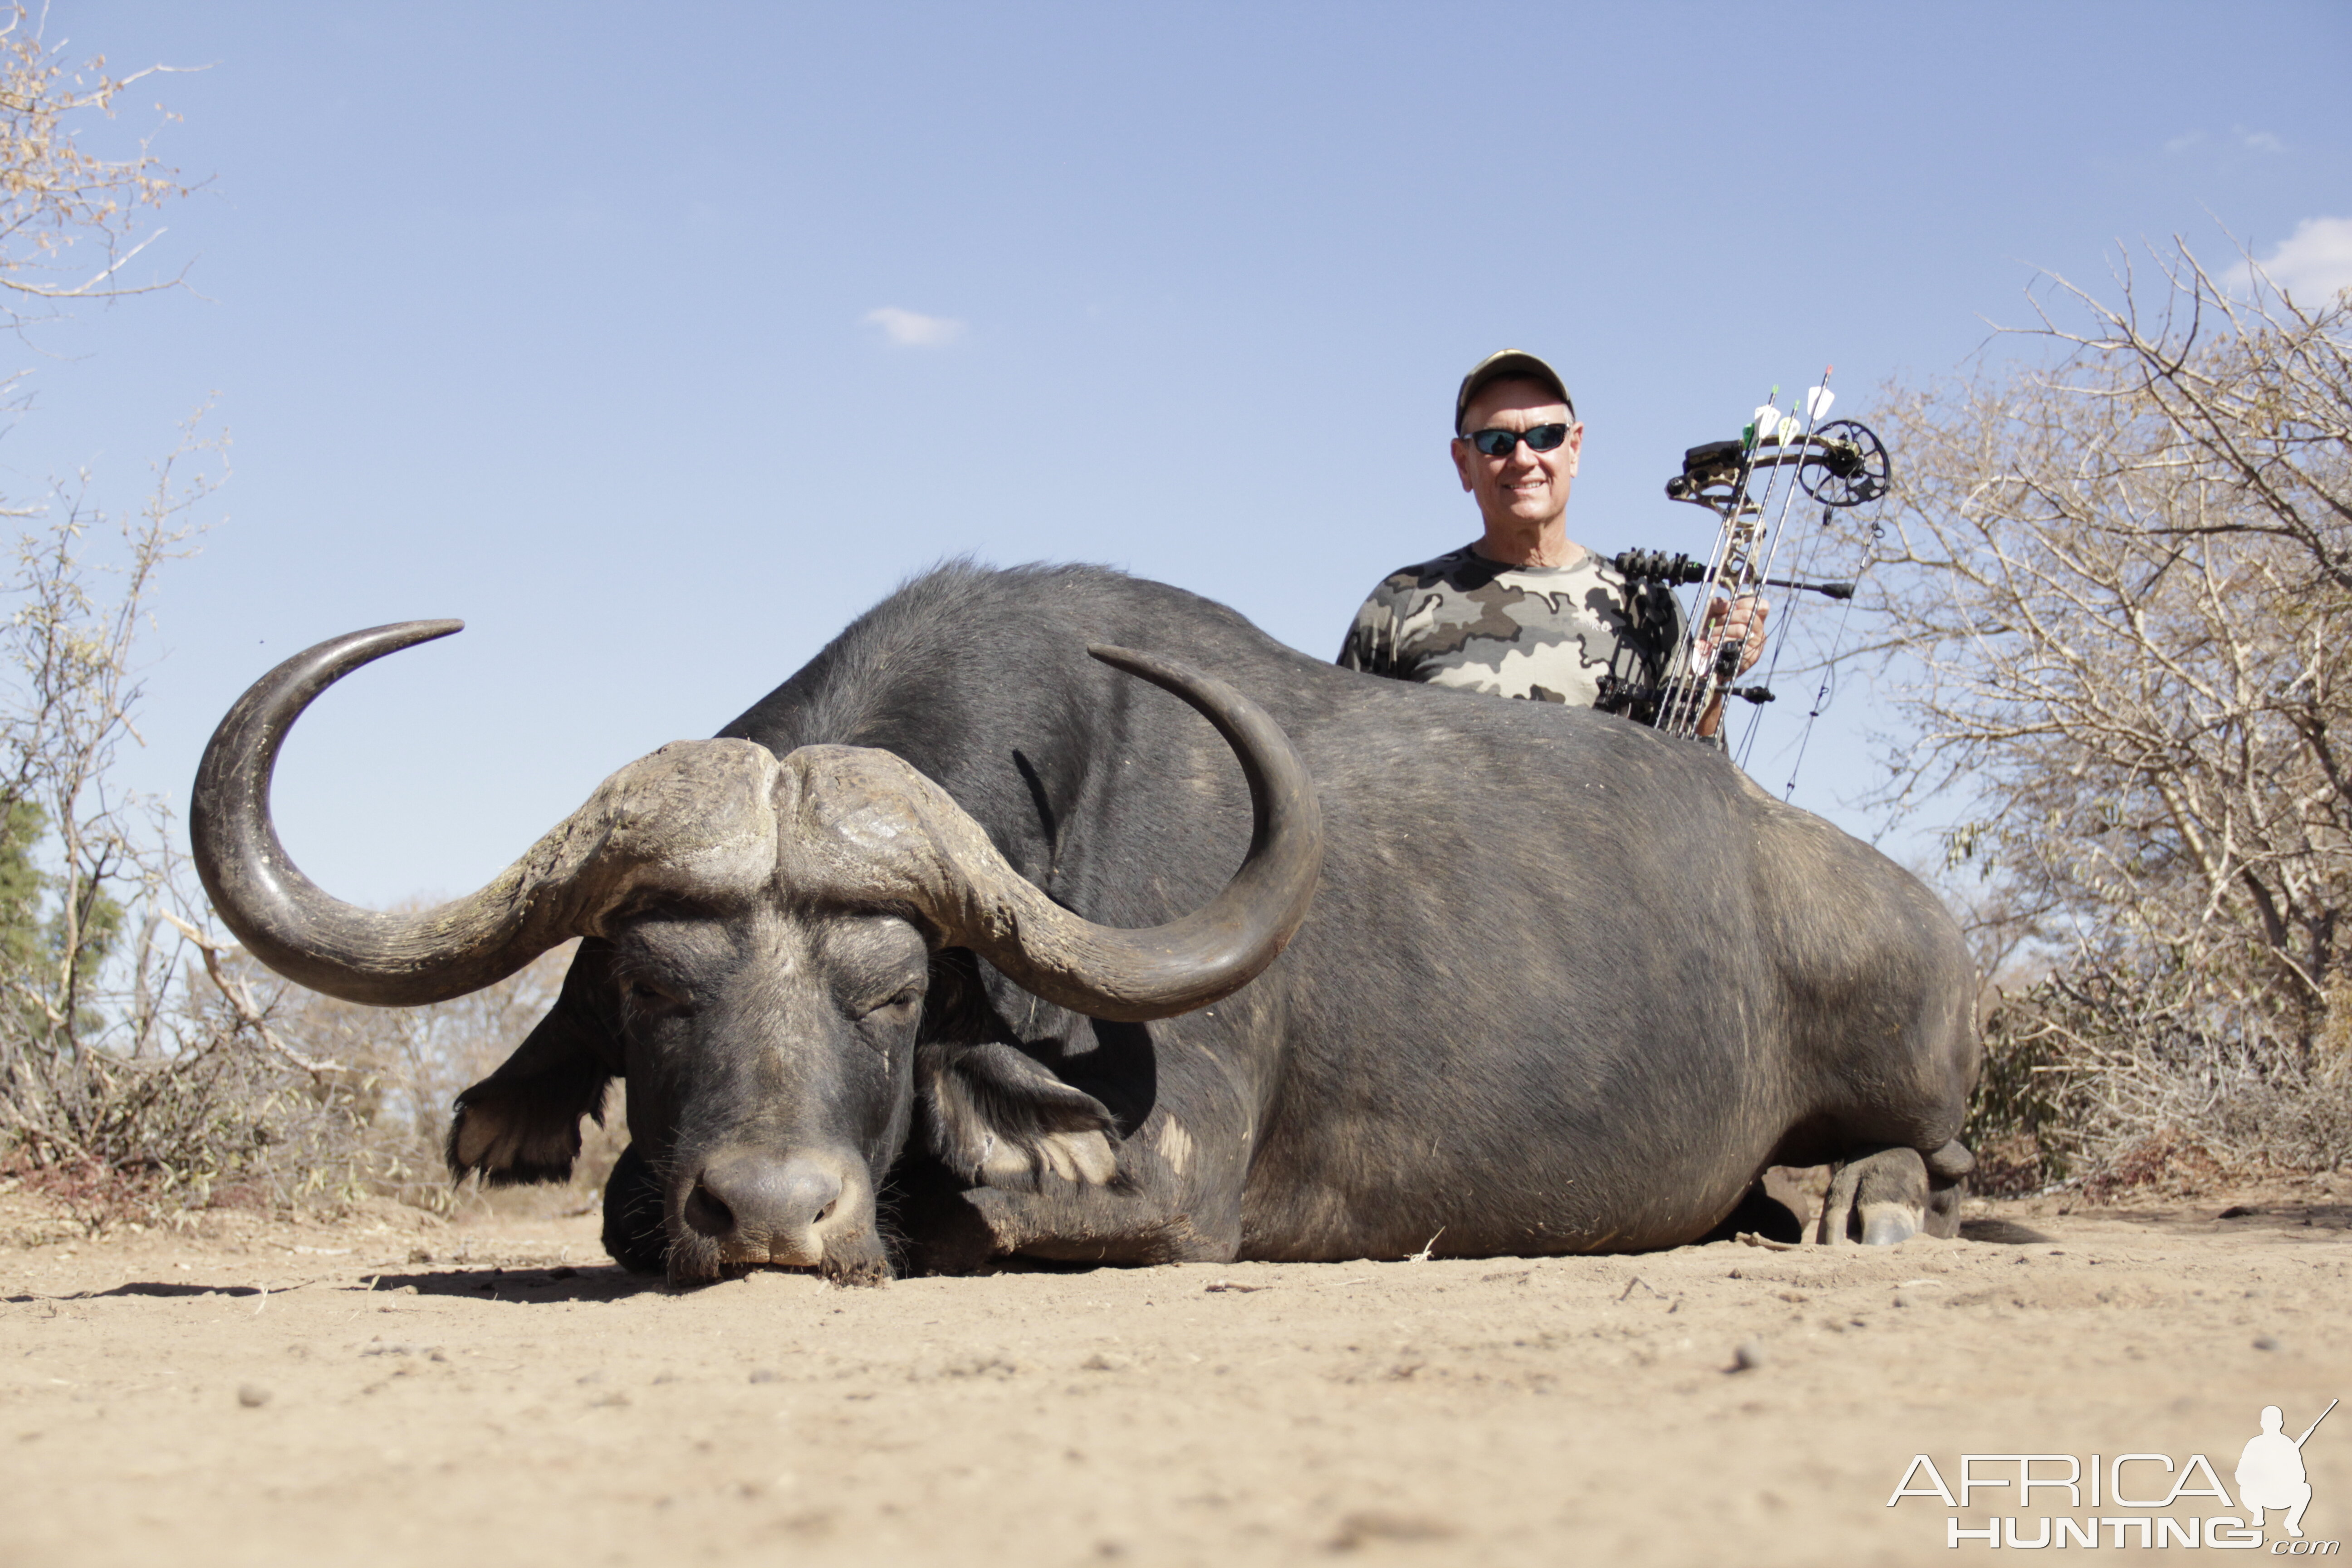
x=1840 y=463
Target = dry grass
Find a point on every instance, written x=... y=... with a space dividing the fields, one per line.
x=2099 y=1086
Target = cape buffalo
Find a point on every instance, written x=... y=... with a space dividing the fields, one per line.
x=940 y=953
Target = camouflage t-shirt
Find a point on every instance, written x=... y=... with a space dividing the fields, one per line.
x=1556 y=634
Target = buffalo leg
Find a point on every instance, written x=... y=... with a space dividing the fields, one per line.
x=633 y=1216
x=1095 y=1224
x=1878 y=1198
x=1165 y=1202
x=1144 y=1215
x=1947 y=1169
x=938 y=1230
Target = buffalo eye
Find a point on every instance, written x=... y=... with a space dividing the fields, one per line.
x=648 y=999
x=894 y=1007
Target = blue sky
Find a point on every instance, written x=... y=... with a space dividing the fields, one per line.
x=585 y=322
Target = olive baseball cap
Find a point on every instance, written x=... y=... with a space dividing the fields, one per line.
x=1509 y=365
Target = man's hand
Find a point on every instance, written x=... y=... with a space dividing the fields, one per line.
x=1743 y=620
x=1727 y=620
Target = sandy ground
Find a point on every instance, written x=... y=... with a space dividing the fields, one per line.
x=390 y=1391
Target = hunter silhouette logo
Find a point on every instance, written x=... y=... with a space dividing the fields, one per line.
x=2131 y=1498
x=2271 y=1474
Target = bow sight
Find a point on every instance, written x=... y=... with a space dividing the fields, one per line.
x=1839 y=464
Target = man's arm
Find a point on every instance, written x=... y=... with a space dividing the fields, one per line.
x=1370 y=646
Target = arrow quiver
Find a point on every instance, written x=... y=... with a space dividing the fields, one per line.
x=1839 y=464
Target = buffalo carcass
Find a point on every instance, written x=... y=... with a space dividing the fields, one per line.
x=940 y=951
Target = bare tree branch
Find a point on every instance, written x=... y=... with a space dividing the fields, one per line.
x=2114 y=609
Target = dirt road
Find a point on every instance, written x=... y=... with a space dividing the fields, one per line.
x=313 y=1395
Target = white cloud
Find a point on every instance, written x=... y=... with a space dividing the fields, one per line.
x=2315 y=261
x=912 y=329
x=2241 y=138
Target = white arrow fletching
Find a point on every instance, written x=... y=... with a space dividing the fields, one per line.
x=1790 y=428
x=1817 y=402
x=1768 y=419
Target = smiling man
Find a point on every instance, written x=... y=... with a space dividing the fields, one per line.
x=1525 y=611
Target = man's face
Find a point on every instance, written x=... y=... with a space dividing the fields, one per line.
x=1524 y=485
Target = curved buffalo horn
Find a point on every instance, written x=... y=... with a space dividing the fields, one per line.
x=291 y=922
x=295 y=928
x=1103 y=972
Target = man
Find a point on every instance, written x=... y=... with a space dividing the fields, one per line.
x=2271 y=1473
x=1524 y=611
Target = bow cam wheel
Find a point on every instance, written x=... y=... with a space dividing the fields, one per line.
x=1846 y=465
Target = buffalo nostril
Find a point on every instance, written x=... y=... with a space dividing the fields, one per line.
x=752 y=1196
x=708 y=1213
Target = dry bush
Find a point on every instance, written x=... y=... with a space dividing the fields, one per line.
x=2114 y=606
x=118 y=1076
x=257 y=1093
x=2096 y=1079
x=410 y=1064
x=144 y=1066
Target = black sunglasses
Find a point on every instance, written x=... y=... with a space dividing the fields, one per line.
x=1502 y=443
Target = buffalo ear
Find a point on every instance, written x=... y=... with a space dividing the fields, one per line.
x=997 y=1117
x=523 y=1122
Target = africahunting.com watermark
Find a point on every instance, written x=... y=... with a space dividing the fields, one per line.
x=2127 y=1500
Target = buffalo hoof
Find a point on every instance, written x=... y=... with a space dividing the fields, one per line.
x=633 y=1216
x=1879 y=1199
